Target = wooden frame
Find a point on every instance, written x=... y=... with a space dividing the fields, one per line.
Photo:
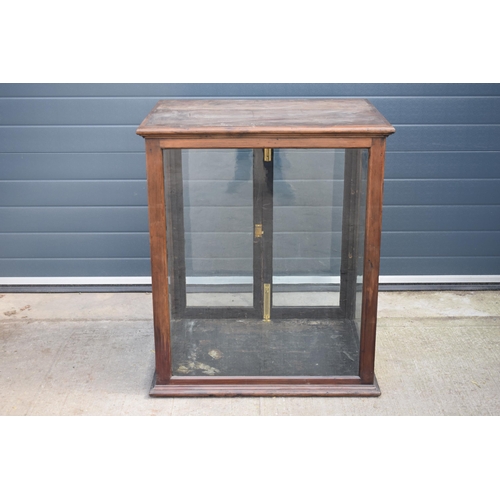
x=256 y=124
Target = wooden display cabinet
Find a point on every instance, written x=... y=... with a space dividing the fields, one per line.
x=265 y=223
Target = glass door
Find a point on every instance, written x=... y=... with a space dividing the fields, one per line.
x=318 y=231
x=265 y=260
x=209 y=200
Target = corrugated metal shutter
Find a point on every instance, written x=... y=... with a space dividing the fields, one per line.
x=73 y=191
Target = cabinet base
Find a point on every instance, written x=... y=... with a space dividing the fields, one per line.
x=263 y=389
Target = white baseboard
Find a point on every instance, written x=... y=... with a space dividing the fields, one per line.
x=225 y=280
x=79 y=280
x=478 y=278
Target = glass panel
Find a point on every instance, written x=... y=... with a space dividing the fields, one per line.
x=218 y=224
x=308 y=205
x=319 y=214
x=318 y=198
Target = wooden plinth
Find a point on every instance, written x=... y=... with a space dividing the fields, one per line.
x=263 y=388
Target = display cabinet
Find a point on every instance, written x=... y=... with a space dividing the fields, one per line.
x=265 y=223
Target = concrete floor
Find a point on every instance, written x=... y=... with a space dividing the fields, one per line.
x=438 y=353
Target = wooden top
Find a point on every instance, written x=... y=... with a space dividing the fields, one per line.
x=251 y=117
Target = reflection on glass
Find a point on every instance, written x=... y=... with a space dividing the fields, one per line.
x=308 y=204
x=216 y=229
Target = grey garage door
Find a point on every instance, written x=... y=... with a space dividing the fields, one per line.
x=73 y=202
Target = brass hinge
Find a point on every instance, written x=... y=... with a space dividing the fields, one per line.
x=267 y=302
x=258 y=231
x=267 y=154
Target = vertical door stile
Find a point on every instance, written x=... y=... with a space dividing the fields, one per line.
x=350 y=231
x=267 y=237
x=258 y=193
x=263 y=231
x=175 y=230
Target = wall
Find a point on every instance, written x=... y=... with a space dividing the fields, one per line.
x=73 y=192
